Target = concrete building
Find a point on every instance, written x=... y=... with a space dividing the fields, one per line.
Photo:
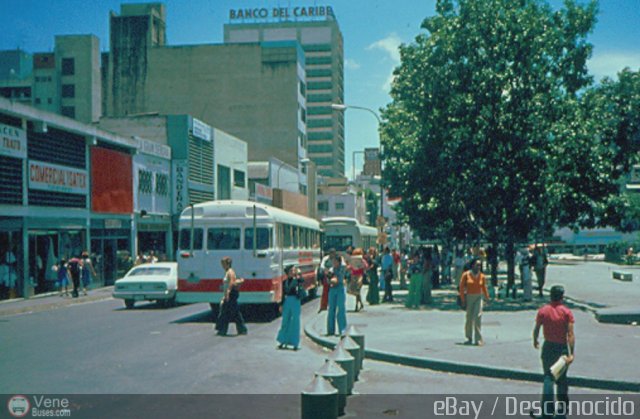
x=67 y=82
x=317 y=30
x=252 y=91
x=59 y=196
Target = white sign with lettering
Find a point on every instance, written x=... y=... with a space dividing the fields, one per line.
x=201 y=130
x=57 y=178
x=13 y=142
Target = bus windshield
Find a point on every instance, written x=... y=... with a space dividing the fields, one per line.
x=340 y=243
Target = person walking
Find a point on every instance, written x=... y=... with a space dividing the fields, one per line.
x=230 y=311
x=387 y=273
x=473 y=286
x=540 y=263
x=373 y=293
x=337 y=299
x=74 y=268
x=556 y=321
x=87 y=272
x=357 y=268
x=63 y=278
x=290 y=304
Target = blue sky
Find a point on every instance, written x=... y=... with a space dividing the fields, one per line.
x=372 y=30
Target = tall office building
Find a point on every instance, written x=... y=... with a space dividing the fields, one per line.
x=317 y=31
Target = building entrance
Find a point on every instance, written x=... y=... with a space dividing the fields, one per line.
x=111 y=258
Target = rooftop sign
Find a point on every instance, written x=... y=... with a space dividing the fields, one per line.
x=282 y=13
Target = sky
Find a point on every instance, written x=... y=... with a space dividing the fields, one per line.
x=372 y=31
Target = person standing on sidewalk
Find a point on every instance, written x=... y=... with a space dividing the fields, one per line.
x=63 y=278
x=415 y=280
x=88 y=272
x=74 y=269
x=292 y=287
x=337 y=299
x=556 y=321
x=230 y=311
x=373 y=293
x=323 y=275
x=540 y=263
x=387 y=273
x=473 y=286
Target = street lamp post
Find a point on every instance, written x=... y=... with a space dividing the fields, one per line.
x=282 y=163
x=354 y=162
x=342 y=108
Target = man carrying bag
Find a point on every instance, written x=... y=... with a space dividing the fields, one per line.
x=557 y=351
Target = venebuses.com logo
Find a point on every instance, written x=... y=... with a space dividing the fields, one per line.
x=18 y=406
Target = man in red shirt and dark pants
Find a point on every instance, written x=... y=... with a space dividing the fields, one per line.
x=559 y=340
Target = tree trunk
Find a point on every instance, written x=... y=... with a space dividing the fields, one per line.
x=511 y=277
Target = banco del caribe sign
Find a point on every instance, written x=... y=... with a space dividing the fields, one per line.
x=281 y=12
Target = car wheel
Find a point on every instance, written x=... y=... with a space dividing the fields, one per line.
x=129 y=303
x=215 y=308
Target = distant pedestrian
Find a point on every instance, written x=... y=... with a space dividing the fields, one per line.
x=373 y=262
x=557 y=322
x=63 y=278
x=357 y=268
x=74 y=268
x=473 y=286
x=525 y=269
x=387 y=273
x=458 y=267
x=337 y=299
x=87 y=272
x=290 y=304
x=540 y=266
x=230 y=311
x=427 y=272
x=323 y=276
x=435 y=268
x=415 y=280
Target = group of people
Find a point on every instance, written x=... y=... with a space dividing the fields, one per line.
x=535 y=260
x=76 y=271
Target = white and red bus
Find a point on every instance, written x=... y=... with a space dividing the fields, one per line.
x=212 y=230
x=342 y=232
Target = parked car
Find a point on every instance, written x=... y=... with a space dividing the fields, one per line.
x=149 y=282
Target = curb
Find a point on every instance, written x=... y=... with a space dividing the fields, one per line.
x=474 y=369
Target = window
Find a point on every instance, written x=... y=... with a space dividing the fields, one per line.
x=339 y=206
x=286 y=242
x=162 y=184
x=223 y=238
x=68 y=90
x=37 y=101
x=323 y=206
x=238 y=179
x=68 y=67
x=224 y=182
x=264 y=238
x=185 y=239
x=68 y=111
x=145 y=182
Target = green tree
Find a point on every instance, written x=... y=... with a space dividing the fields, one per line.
x=484 y=116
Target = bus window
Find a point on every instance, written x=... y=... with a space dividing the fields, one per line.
x=296 y=237
x=264 y=238
x=286 y=231
x=340 y=243
x=223 y=238
x=185 y=239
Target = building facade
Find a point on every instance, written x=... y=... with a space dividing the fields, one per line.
x=317 y=31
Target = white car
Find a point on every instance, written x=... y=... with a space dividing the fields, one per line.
x=149 y=282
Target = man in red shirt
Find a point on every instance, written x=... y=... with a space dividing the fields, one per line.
x=559 y=340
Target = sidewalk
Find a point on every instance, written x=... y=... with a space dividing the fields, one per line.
x=50 y=301
x=432 y=337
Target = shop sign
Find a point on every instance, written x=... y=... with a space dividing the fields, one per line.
x=13 y=141
x=57 y=178
x=153 y=148
x=180 y=185
x=200 y=129
x=263 y=194
x=299 y=12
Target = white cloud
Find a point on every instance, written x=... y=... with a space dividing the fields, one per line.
x=611 y=63
x=390 y=45
x=351 y=64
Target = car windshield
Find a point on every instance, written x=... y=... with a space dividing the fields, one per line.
x=150 y=270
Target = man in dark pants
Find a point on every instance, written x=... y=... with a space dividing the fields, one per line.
x=74 y=267
x=387 y=271
x=559 y=340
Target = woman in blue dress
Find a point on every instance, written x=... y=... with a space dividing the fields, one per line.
x=290 y=304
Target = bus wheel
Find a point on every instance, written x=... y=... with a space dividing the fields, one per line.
x=129 y=303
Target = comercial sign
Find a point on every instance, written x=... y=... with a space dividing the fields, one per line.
x=13 y=142
x=200 y=129
x=180 y=186
x=298 y=12
x=53 y=177
x=153 y=148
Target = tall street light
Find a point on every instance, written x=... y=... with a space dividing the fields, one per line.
x=282 y=163
x=340 y=107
